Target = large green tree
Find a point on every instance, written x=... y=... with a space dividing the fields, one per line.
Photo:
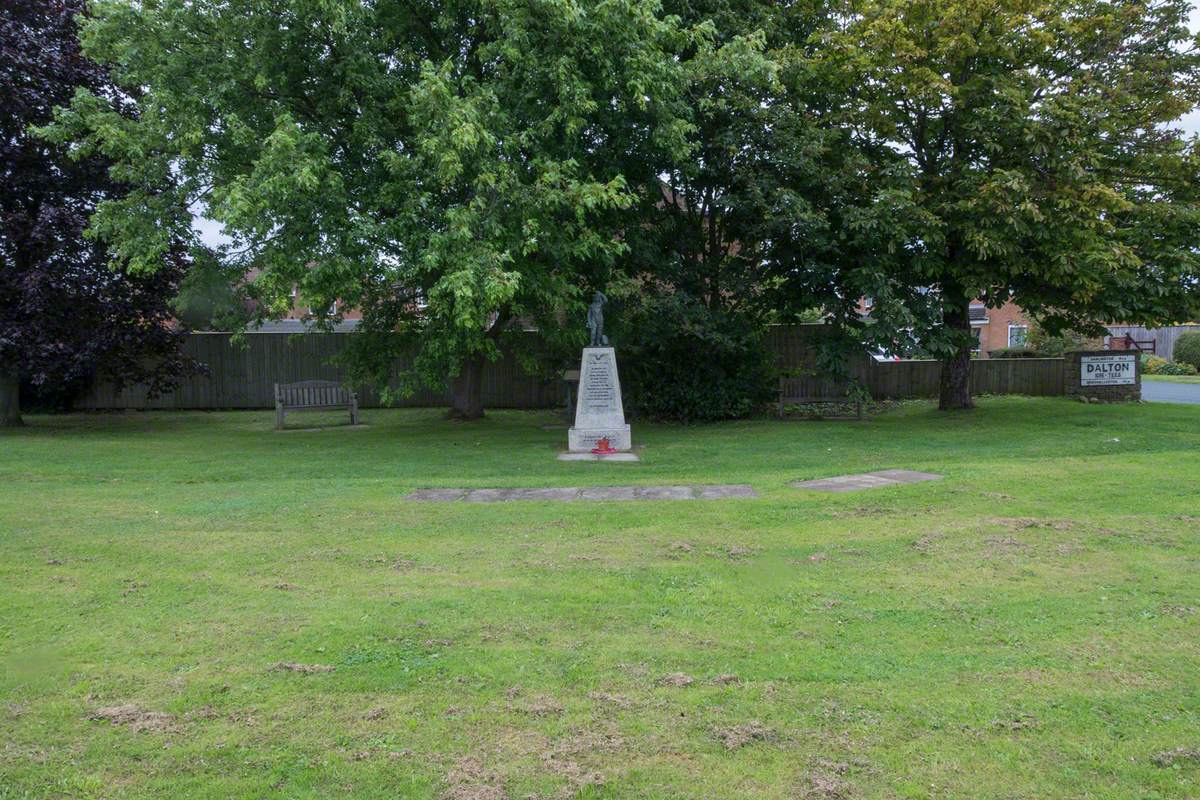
x=1025 y=151
x=447 y=167
x=66 y=319
x=767 y=163
x=750 y=226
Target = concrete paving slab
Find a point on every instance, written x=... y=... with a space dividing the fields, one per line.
x=563 y=493
x=436 y=495
x=719 y=492
x=666 y=493
x=568 y=493
x=608 y=493
x=866 y=480
x=489 y=495
x=907 y=475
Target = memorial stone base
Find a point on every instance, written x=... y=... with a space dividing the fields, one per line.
x=599 y=412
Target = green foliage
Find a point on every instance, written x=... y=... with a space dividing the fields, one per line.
x=683 y=361
x=707 y=220
x=446 y=168
x=1016 y=352
x=1157 y=365
x=1187 y=349
x=1054 y=345
x=1029 y=152
x=211 y=298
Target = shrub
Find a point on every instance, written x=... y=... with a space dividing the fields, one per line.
x=1187 y=349
x=1014 y=352
x=682 y=361
x=1049 y=346
x=1176 y=368
x=1152 y=364
x=1156 y=365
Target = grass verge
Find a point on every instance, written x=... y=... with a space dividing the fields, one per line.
x=197 y=606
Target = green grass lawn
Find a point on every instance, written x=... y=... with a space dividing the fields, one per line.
x=1028 y=627
x=1172 y=378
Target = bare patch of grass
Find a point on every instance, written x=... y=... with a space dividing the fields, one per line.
x=925 y=544
x=1170 y=758
x=677 y=679
x=824 y=784
x=1006 y=545
x=304 y=669
x=618 y=700
x=1018 y=722
x=738 y=736
x=468 y=779
x=568 y=759
x=136 y=718
x=540 y=706
x=735 y=552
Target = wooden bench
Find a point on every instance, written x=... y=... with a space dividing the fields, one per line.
x=313 y=396
x=801 y=390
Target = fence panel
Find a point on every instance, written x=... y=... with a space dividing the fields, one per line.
x=1041 y=377
x=1164 y=338
x=244 y=377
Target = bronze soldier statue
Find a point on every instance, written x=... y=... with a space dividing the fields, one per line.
x=595 y=320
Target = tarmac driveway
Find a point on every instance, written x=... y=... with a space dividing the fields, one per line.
x=1163 y=392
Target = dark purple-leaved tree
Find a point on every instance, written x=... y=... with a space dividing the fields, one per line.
x=65 y=316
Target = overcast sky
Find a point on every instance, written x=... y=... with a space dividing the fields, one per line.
x=210 y=232
x=1192 y=121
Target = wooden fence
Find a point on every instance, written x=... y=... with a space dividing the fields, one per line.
x=244 y=376
x=1042 y=377
x=794 y=345
x=1164 y=338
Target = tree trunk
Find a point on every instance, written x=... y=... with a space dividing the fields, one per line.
x=10 y=399
x=956 y=369
x=466 y=390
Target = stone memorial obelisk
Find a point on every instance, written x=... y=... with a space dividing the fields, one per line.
x=599 y=413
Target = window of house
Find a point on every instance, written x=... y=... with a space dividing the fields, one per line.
x=977 y=348
x=1018 y=335
x=329 y=312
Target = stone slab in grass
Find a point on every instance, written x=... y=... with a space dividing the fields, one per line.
x=689 y=492
x=598 y=457
x=609 y=493
x=719 y=492
x=437 y=495
x=866 y=480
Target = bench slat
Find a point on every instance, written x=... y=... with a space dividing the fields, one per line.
x=314 y=394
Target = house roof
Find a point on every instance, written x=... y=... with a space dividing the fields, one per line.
x=301 y=326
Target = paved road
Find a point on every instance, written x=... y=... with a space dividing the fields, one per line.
x=1163 y=392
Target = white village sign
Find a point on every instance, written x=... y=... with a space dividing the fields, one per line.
x=1107 y=370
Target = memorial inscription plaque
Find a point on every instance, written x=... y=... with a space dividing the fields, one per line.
x=599 y=412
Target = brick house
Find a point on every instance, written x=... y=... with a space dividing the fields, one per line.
x=300 y=310
x=997 y=328
x=994 y=328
